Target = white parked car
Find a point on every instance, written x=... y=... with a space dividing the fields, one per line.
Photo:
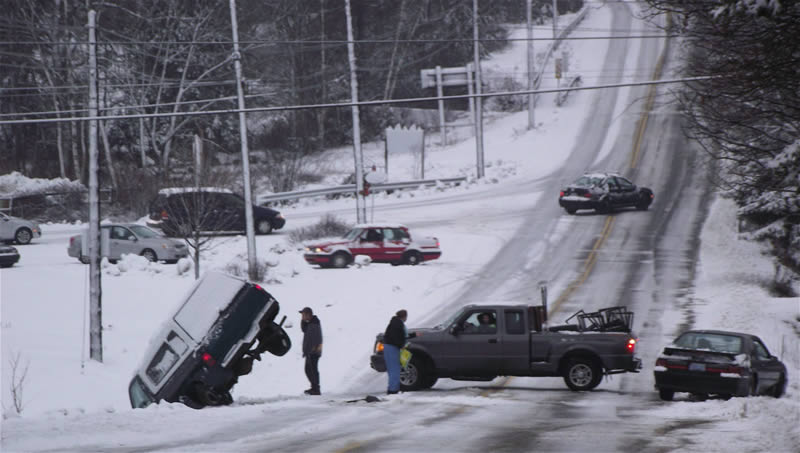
x=129 y=238
x=21 y=231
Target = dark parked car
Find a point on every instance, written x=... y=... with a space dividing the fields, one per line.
x=704 y=362
x=8 y=255
x=604 y=192
x=199 y=353
x=178 y=211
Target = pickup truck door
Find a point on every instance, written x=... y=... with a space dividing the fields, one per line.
x=477 y=347
x=516 y=347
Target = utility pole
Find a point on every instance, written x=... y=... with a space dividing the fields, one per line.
x=555 y=21
x=478 y=89
x=531 y=57
x=248 y=204
x=95 y=289
x=361 y=205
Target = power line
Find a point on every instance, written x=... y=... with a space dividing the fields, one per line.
x=350 y=104
x=340 y=41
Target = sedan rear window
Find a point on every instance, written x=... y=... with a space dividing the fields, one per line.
x=588 y=181
x=710 y=341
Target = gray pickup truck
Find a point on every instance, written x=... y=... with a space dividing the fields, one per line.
x=481 y=342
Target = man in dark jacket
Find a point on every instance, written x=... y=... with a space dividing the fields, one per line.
x=394 y=338
x=312 y=348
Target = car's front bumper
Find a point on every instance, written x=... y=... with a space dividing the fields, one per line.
x=314 y=258
x=697 y=382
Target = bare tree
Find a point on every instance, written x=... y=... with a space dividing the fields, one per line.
x=18 y=381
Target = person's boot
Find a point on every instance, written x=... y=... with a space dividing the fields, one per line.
x=312 y=392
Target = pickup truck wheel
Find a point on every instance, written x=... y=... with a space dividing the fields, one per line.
x=666 y=394
x=210 y=397
x=340 y=260
x=582 y=374
x=571 y=211
x=413 y=376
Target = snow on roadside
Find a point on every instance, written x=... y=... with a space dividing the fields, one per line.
x=730 y=294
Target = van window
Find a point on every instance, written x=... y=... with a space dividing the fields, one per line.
x=161 y=364
x=138 y=395
x=176 y=343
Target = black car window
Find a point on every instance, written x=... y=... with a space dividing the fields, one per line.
x=400 y=233
x=373 y=235
x=163 y=361
x=760 y=350
x=515 y=324
x=715 y=342
x=624 y=183
x=122 y=234
x=612 y=183
x=480 y=322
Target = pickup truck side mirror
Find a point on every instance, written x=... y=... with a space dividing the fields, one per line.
x=455 y=329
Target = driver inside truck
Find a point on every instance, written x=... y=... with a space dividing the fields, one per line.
x=487 y=323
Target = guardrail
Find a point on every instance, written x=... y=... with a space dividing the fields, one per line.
x=351 y=189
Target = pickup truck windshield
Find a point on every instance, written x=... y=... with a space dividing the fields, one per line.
x=450 y=320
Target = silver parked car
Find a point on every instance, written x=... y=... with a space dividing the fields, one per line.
x=18 y=230
x=127 y=238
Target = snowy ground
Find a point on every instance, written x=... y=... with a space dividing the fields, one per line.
x=66 y=396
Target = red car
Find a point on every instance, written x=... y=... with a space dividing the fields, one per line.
x=383 y=243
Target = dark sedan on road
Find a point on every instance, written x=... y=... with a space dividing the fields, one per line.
x=604 y=192
x=714 y=362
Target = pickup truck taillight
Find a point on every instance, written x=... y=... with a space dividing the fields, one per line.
x=631 y=345
x=164 y=214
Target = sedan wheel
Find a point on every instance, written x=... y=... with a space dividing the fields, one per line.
x=340 y=260
x=149 y=255
x=263 y=227
x=23 y=236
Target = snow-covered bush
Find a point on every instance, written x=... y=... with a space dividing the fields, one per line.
x=328 y=226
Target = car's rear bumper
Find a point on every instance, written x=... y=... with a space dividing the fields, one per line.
x=317 y=259
x=278 y=223
x=575 y=202
x=695 y=382
x=428 y=255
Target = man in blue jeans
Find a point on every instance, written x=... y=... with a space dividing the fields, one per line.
x=394 y=338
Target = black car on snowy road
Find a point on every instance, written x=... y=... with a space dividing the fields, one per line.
x=715 y=362
x=604 y=192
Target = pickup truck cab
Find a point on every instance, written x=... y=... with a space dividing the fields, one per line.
x=481 y=342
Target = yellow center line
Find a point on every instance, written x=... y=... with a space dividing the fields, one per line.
x=588 y=265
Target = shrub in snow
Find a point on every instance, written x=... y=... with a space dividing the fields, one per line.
x=328 y=226
x=362 y=260
x=239 y=267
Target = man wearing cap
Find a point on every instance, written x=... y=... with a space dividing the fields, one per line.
x=312 y=347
